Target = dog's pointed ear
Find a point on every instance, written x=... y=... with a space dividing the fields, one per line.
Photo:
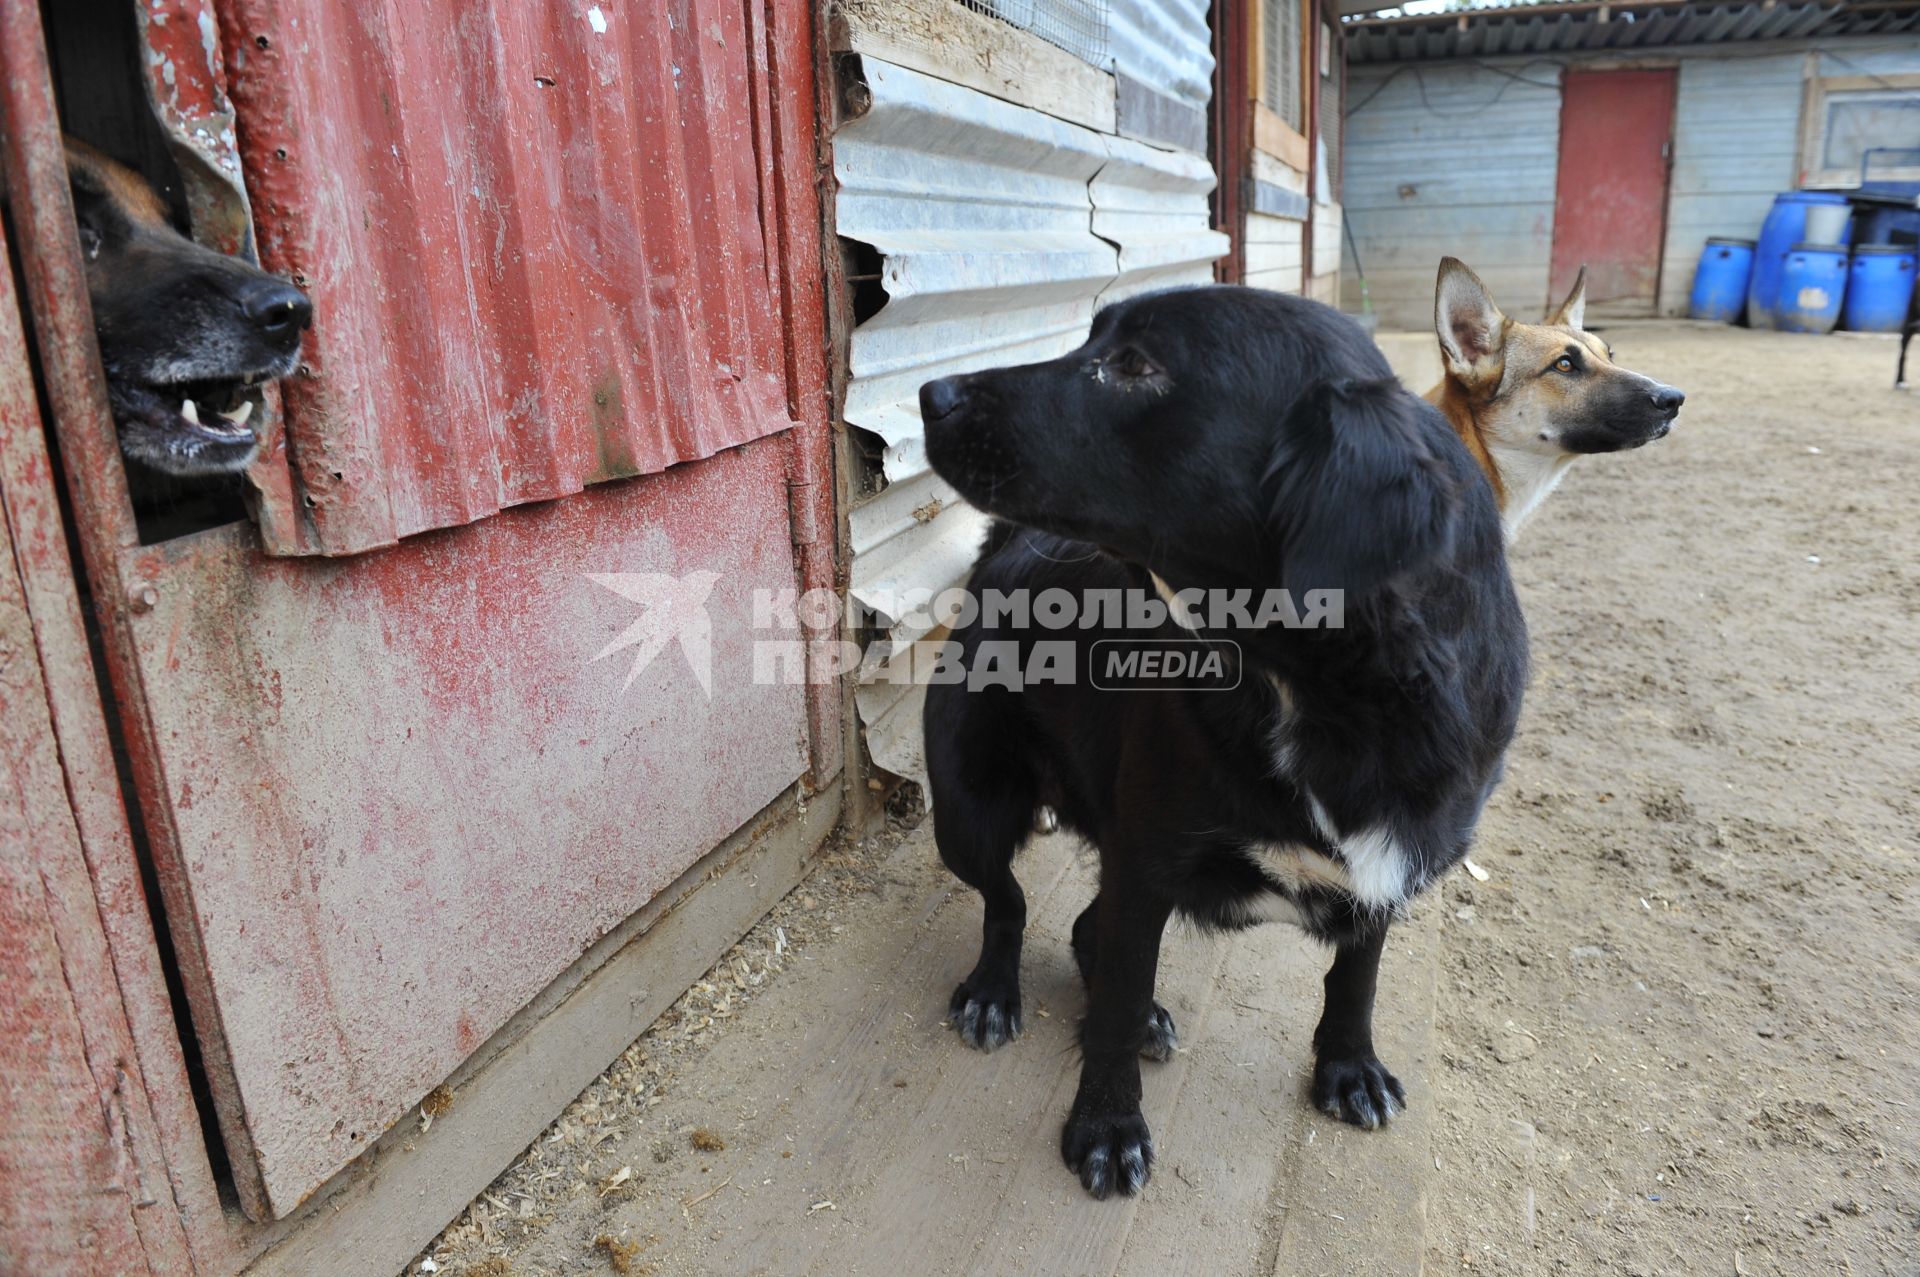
x=1360 y=488
x=1573 y=311
x=1471 y=328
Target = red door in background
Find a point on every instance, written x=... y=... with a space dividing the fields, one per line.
x=1611 y=199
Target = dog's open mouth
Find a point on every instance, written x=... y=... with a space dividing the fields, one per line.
x=218 y=411
x=192 y=427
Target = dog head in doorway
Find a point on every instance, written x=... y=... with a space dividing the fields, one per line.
x=187 y=335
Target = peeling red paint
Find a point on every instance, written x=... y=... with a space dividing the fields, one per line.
x=400 y=791
x=94 y=1096
x=390 y=795
x=519 y=288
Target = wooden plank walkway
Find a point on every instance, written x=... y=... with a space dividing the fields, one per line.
x=932 y=1159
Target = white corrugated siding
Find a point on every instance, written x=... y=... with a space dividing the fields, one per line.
x=1466 y=168
x=999 y=230
x=1326 y=239
x=1152 y=205
x=1164 y=44
x=1273 y=252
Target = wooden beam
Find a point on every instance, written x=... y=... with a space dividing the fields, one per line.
x=952 y=42
x=1274 y=136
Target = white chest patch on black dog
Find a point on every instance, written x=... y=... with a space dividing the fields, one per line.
x=1378 y=869
x=1371 y=865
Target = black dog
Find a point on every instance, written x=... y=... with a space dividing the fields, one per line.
x=187 y=335
x=1234 y=440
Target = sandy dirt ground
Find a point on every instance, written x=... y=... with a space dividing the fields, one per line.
x=1676 y=1030
x=1680 y=1026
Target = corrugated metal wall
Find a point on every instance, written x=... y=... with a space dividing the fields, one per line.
x=1162 y=71
x=1461 y=158
x=1450 y=159
x=1164 y=44
x=534 y=240
x=999 y=230
x=982 y=216
x=1737 y=144
x=390 y=798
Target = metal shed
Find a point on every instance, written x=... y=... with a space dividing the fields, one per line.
x=357 y=792
x=1457 y=137
x=570 y=335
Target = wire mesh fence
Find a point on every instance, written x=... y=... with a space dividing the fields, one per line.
x=1078 y=26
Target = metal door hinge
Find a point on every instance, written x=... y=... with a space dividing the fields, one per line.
x=800 y=512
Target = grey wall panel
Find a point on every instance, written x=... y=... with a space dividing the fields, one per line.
x=1736 y=134
x=1737 y=143
x=1458 y=160
x=1166 y=45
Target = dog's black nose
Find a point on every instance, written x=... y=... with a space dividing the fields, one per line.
x=1668 y=400
x=942 y=398
x=278 y=309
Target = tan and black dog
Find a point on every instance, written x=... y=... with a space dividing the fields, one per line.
x=187 y=335
x=1527 y=399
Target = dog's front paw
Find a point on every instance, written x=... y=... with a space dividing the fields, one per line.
x=1108 y=1151
x=985 y=1015
x=1162 y=1040
x=1357 y=1089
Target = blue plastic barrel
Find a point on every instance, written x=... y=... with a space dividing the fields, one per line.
x=1879 y=288
x=1720 y=280
x=1813 y=280
x=1786 y=225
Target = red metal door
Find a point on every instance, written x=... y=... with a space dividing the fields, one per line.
x=392 y=795
x=1610 y=205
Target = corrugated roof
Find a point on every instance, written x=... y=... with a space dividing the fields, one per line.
x=1594 y=26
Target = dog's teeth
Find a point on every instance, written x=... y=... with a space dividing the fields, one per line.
x=190 y=412
x=239 y=415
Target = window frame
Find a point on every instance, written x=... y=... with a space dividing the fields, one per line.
x=1331 y=85
x=1813 y=128
x=1272 y=133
